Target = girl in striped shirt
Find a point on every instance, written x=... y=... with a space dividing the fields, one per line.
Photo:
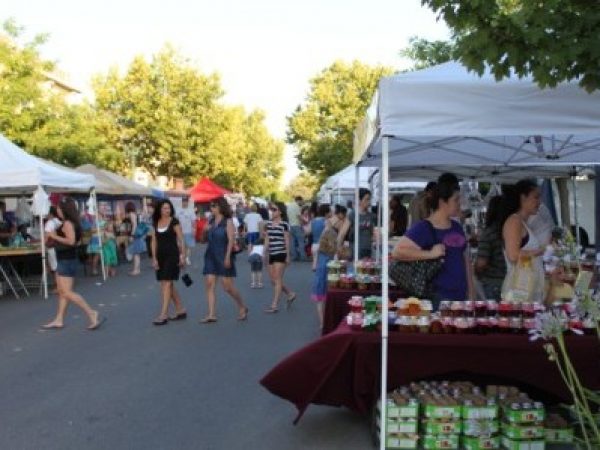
x=277 y=243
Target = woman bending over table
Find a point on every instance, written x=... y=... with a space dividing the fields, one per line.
x=67 y=236
x=440 y=236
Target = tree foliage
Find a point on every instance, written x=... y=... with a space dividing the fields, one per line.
x=40 y=119
x=425 y=53
x=167 y=115
x=304 y=185
x=553 y=40
x=322 y=127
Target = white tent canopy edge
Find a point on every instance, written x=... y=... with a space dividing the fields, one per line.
x=447 y=117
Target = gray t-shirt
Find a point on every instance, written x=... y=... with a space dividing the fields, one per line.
x=366 y=224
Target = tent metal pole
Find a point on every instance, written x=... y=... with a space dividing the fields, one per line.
x=44 y=269
x=98 y=233
x=378 y=244
x=385 y=173
x=576 y=212
x=356 y=214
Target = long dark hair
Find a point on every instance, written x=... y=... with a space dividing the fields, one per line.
x=158 y=206
x=511 y=197
x=446 y=186
x=224 y=207
x=493 y=216
x=68 y=207
x=399 y=215
x=283 y=210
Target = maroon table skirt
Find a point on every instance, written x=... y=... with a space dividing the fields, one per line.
x=336 y=304
x=343 y=367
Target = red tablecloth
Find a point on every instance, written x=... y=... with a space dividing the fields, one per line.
x=343 y=367
x=336 y=305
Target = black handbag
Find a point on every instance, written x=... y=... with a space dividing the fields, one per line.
x=414 y=277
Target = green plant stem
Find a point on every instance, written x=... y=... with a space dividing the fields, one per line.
x=567 y=378
x=579 y=388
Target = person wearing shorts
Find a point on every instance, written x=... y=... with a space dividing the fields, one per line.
x=67 y=237
x=256 y=263
x=277 y=244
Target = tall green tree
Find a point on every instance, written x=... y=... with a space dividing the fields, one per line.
x=553 y=40
x=161 y=114
x=167 y=117
x=322 y=127
x=39 y=118
x=425 y=53
x=304 y=185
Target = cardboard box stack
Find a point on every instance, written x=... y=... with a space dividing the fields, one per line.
x=459 y=415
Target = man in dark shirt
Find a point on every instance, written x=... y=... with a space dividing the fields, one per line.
x=8 y=227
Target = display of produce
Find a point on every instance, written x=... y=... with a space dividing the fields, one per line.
x=460 y=415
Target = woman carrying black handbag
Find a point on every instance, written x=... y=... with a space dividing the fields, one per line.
x=439 y=237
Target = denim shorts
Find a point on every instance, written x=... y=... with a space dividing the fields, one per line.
x=256 y=262
x=190 y=240
x=67 y=267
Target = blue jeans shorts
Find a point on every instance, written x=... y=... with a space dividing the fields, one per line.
x=67 y=267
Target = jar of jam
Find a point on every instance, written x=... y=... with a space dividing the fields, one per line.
x=445 y=308
x=481 y=309
x=469 y=308
x=528 y=324
x=493 y=324
x=448 y=325
x=516 y=325
x=457 y=309
x=492 y=308
x=528 y=310
x=575 y=324
x=505 y=309
x=460 y=325
x=436 y=326
x=483 y=325
x=503 y=324
x=517 y=310
x=471 y=324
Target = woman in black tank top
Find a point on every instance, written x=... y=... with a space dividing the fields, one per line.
x=67 y=238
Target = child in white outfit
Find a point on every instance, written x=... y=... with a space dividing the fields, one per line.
x=256 y=263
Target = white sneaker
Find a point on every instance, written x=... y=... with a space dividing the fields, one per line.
x=187 y=261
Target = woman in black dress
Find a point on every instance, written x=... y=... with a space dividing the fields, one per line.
x=168 y=255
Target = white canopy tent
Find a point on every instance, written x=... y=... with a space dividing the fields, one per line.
x=114 y=184
x=445 y=118
x=343 y=183
x=22 y=173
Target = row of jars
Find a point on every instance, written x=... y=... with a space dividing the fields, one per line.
x=489 y=308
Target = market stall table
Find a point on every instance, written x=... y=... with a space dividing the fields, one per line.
x=7 y=268
x=336 y=304
x=343 y=367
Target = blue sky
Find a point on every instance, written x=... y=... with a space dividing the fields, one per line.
x=264 y=50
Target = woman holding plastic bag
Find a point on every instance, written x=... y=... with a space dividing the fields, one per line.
x=524 y=280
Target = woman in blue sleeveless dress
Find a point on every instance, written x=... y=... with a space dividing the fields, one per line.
x=219 y=261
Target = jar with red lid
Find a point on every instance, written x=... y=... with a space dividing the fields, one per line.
x=575 y=324
x=503 y=324
x=517 y=310
x=528 y=310
x=445 y=308
x=483 y=325
x=469 y=308
x=528 y=324
x=492 y=308
x=457 y=309
x=448 y=324
x=481 y=308
x=505 y=309
x=516 y=325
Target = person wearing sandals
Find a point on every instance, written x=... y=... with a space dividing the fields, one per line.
x=168 y=255
x=219 y=261
x=66 y=239
x=277 y=244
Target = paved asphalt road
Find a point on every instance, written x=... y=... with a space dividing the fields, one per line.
x=133 y=386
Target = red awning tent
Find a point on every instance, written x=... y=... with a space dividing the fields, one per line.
x=206 y=190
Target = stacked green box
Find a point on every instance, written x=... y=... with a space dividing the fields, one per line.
x=401 y=425
x=522 y=428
